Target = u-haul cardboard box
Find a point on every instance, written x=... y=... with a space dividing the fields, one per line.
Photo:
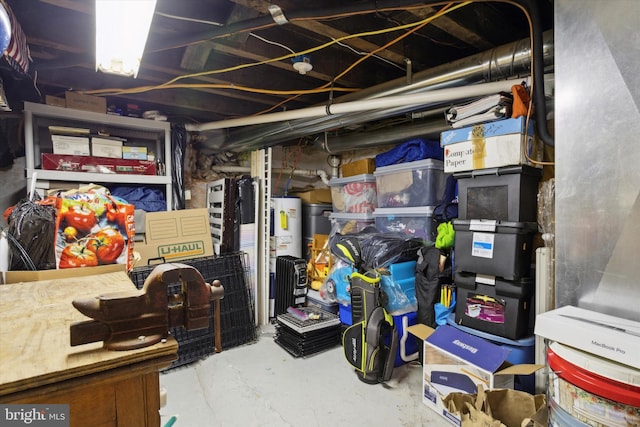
x=175 y=235
x=491 y=145
x=457 y=362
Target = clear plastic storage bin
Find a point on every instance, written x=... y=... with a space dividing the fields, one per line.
x=411 y=184
x=345 y=223
x=414 y=221
x=354 y=194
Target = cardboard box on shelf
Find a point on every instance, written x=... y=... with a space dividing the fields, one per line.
x=134 y=153
x=175 y=235
x=359 y=167
x=70 y=145
x=106 y=147
x=80 y=101
x=55 y=100
x=458 y=362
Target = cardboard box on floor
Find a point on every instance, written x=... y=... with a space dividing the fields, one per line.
x=175 y=235
x=457 y=362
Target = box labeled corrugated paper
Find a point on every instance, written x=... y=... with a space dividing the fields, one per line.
x=458 y=362
x=105 y=147
x=175 y=235
x=70 y=145
x=491 y=145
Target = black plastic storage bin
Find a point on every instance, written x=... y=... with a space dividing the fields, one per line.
x=495 y=248
x=496 y=306
x=508 y=193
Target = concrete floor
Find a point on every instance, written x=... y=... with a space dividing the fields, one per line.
x=260 y=384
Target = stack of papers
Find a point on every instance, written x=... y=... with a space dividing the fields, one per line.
x=486 y=109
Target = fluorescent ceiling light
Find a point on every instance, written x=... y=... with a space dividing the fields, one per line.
x=122 y=27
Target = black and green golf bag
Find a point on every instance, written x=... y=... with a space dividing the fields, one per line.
x=371 y=342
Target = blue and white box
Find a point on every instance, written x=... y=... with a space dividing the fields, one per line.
x=458 y=362
x=491 y=145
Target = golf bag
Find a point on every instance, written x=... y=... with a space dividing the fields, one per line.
x=371 y=342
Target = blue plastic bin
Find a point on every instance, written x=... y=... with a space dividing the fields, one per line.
x=407 y=343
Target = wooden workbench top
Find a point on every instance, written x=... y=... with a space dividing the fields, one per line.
x=34 y=333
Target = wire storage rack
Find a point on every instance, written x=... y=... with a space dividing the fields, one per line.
x=237 y=319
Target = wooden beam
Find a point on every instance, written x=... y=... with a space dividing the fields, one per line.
x=449 y=25
x=329 y=32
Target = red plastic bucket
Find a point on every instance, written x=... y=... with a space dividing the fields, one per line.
x=603 y=393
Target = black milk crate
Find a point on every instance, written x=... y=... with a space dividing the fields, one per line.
x=237 y=323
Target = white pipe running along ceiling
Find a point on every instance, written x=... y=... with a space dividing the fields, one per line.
x=417 y=99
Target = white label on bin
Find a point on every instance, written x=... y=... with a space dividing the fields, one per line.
x=483 y=225
x=482 y=245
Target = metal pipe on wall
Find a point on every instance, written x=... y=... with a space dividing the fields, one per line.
x=320 y=173
x=415 y=100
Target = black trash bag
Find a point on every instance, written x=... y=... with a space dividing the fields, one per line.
x=31 y=236
x=371 y=249
x=380 y=250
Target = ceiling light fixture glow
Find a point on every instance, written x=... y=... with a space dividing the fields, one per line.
x=122 y=27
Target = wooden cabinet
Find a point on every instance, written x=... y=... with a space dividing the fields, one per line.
x=153 y=135
x=39 y=366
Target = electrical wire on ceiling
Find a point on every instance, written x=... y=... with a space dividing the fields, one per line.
x=446 y=9
x=339 y=43
x=260 y=24
x=357 y=52
x=170 y=84
x=218 y=24
x=529 y=7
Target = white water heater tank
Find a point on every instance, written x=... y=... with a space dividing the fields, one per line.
x=286 y=227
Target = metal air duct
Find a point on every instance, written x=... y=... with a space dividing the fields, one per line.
x=507 y=61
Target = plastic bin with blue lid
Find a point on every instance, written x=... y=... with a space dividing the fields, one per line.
x=520 y=351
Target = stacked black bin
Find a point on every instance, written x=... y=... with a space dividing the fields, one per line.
x=493 y=249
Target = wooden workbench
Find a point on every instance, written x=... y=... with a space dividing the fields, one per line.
x=38 y=365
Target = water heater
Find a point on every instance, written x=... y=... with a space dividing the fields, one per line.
x=286 y=227
x=285 y=237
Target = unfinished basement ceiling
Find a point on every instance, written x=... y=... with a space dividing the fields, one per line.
x=244 y=60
